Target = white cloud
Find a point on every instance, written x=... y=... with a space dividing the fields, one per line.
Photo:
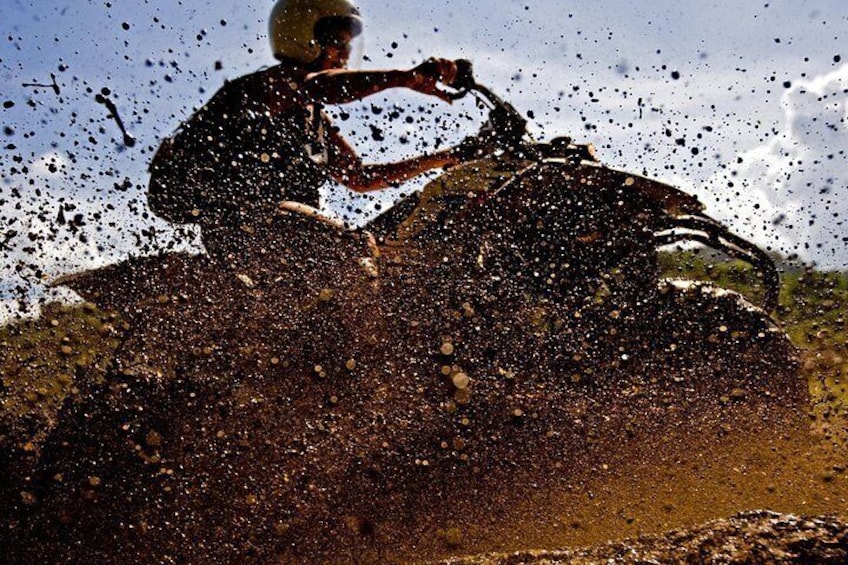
x=797 y=184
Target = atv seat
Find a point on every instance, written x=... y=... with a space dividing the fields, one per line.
x=312 y=212
x=302 y=209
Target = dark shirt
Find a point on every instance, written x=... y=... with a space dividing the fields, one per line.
x=255 y=143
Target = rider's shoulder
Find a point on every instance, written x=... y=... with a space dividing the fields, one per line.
x=276 y=83
x=280 y=74
x=278 y=80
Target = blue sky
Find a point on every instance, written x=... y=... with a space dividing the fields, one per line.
x=723 y=98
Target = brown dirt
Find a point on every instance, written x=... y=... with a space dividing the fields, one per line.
x=323 y=418
x=765 y=538
x=795 y=471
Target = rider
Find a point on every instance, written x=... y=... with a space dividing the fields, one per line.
x=263 y=138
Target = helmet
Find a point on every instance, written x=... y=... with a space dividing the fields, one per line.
x=292 y=26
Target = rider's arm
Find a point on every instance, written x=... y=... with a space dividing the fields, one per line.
x=340 y=86
x=346 y=166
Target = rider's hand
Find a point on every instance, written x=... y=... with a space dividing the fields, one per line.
x=474 y=147
x=426 y=77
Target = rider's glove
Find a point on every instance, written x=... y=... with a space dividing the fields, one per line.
x=474 y=147
x=437 y=70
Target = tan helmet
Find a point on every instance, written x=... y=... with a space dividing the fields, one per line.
x=292 y=26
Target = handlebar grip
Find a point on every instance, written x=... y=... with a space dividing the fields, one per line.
x=464 y=75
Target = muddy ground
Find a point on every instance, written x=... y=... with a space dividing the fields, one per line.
x=748 y=537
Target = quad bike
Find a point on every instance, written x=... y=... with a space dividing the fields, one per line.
x=502 y=332
x=542 y=218
x=546 y=231
x=588 y=208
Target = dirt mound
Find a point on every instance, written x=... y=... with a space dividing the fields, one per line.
x=751 y=537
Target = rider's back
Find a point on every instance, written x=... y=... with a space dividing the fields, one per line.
x=252 y=145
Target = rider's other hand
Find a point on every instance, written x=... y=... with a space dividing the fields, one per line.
x=427 y=76
x=474 y=147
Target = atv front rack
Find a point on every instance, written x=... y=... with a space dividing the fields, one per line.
x=703 y=229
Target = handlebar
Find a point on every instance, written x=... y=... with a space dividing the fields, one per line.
x=506 y=128
x=464 y=81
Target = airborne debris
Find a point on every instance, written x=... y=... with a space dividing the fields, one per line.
x=460 y=381
x=153 y=439
x=103 y=98
x=53 y=86
x=246 y=280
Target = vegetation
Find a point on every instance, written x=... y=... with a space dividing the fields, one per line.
x=41 y=362
x=813 y=311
